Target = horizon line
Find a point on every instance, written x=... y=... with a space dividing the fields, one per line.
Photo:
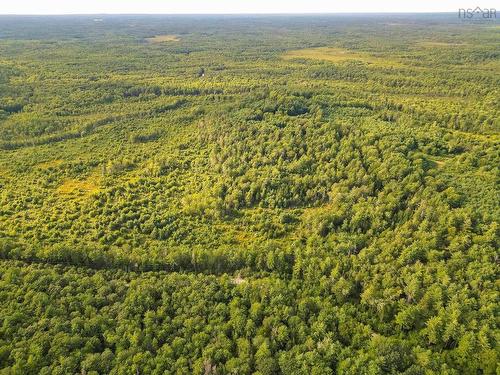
x=225 y=14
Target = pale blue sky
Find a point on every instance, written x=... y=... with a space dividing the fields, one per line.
x=231 y=6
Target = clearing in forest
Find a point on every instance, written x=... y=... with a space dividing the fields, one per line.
x=163 y=38
x=79 y=187
x=434 y=44
x=50 y=164
x=335 y=54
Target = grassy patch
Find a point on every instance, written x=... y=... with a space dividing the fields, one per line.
x=438 y=162
x=50 y=163
x=433 y=44
x=79 y=187
x=163 y=38
x=338 y=55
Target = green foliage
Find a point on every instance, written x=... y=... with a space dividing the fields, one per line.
x=215 y=204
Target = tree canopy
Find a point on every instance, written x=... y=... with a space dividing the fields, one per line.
x=249 y=195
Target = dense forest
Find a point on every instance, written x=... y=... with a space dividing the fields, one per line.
x=249 y=195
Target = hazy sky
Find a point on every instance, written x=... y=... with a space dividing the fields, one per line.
x=232 y=6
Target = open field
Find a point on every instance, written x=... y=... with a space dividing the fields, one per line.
x=163 y=39
x=434 y=44
x=338 y=55
x=79 y=187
